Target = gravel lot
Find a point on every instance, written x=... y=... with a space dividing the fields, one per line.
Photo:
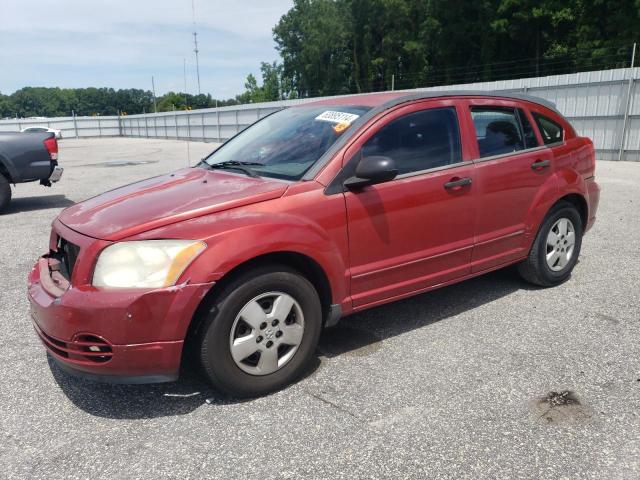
x=450 y=384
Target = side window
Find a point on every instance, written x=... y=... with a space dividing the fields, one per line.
x=419 y=141
x=497 y=130
x=551 y=131
x=530 y=139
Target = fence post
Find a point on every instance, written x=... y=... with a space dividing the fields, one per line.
x=146 y=126
x=75 y=122
x=175 y=119
x=218 y=124
x=164 y=121
x=627 y=105
x=99 y=127
x=119 y=125
x=203 y=133
x=188 y=126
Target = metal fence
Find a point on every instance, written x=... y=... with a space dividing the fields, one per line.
x=603 y=105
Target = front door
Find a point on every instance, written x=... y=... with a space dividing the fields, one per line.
x=415 y=231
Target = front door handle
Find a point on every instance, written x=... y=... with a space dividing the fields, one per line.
x=456 y=183
x=540 y=164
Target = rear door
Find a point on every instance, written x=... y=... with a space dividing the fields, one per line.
x=511 y=166
x=415 y=231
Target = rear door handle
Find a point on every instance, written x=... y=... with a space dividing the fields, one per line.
x=540 y=164
x=457 y=183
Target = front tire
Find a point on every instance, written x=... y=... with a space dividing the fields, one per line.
x=556 y=248
x=5 y=193
x=261 y=333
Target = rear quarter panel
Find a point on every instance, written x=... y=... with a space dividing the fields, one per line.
x=574 y=168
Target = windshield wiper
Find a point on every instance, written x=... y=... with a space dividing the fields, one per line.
x=235 y=165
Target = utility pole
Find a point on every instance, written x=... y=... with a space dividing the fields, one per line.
x=627 y=107
x=393 y=82
x=153 y=87
x=184 y=60
x=184 y=68
x=195 y=42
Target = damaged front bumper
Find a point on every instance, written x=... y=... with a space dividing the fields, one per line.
x=117 y=335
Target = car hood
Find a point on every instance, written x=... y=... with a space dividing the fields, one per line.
x=166 y=199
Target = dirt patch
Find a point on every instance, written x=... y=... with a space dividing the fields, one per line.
x=561 y=408
x=128 y=163
x=608 y=318
x=119 y=163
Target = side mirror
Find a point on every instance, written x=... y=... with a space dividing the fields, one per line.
x=372 y=170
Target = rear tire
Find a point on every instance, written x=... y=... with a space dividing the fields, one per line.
x=5 y=193
x=556 y=248
x=272 y=311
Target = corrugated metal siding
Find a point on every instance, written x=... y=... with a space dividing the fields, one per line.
x=594 y=102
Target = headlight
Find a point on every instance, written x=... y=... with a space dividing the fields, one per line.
x=145 y=264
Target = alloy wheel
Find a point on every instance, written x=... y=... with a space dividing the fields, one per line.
x=266 y=333
x=561 y=241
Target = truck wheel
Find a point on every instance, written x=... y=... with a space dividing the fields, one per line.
x=5 y=193
x=556 y=248
x=261 y=333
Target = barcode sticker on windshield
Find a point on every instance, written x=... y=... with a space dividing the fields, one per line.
x=337 y=117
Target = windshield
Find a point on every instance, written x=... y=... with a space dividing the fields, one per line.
x=287 y=143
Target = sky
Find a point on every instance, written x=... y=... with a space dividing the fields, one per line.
x=123 y=43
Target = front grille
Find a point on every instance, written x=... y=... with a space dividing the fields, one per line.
x=68 y=255
x=82 y=349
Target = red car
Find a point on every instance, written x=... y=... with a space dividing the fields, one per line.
x=310 y=214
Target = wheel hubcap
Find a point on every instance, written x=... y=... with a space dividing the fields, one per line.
x=561 y=242
x=266 y=333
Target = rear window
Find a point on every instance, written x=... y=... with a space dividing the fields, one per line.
x=551 y=131
x=497 y=130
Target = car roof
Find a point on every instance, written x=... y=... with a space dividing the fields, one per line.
x=385 y=100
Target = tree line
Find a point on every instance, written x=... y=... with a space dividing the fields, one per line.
x=330 y=47
x=62 y=102
x=345 y=46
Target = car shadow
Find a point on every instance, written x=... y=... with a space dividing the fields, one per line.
x=358 y=334
x=43 y=202
x=129 y=402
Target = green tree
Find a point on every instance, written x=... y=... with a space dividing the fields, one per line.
x=341 y=46
x=313 y=40
x=274 y=85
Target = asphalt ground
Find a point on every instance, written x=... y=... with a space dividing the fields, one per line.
x=456 y=383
